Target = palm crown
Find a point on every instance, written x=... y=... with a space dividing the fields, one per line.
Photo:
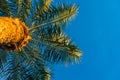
x=38 y=43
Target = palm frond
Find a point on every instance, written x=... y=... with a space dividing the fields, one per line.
x=59 y=16
x=42 y=5
x=58 y=49
x=3 y=57
x=24 y=66
x=19 y=8
x=48 y=45
x=4 y=8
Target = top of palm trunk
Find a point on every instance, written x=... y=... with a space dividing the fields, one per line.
x=13 y=34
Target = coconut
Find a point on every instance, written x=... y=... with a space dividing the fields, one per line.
x=13 y=34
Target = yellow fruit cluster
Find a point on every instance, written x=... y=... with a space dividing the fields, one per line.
x=13 y=34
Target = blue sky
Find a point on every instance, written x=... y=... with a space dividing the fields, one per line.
x=96 y=31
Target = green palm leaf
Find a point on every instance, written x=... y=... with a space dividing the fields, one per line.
x=4 y=8
x=48 y=45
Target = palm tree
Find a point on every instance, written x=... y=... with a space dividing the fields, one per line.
x=32 y=38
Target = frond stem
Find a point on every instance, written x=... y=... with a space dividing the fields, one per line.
x=49 y=22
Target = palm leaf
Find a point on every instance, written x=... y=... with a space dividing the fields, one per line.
x=55 y=16
x=49 y=44
x=58 y=49
x=4 y=8
x=19 y=8
x=23 y=68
